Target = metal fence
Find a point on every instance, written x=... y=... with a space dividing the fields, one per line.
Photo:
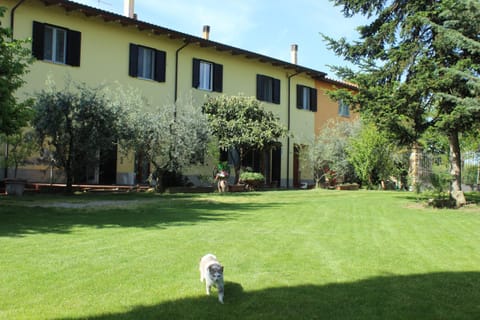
x=439 y=164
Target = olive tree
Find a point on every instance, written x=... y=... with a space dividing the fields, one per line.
x=327 y=152
x=77 y=121
x=171 y=137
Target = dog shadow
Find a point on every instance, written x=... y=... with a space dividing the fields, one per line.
x=233 y=291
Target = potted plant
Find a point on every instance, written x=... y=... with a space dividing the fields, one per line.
x=252 y=180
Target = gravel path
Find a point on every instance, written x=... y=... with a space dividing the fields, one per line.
x=91 y=204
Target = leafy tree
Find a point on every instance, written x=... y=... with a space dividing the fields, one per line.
x=371 y=155
x=327 y=152
x=170 y=137
x=240 y=123
x=419 y=66
x=15 y=59
x=77 y=121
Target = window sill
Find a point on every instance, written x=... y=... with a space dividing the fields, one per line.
x=146 y=79
x=204 y=89
x=55 y=62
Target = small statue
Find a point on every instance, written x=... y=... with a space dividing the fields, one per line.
x=221 y=176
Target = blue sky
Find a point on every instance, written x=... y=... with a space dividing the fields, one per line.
x=267 y=27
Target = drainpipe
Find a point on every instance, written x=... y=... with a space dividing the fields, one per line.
x=176 y=90
x=288 y=124
x=12 y=15
x=176 y=72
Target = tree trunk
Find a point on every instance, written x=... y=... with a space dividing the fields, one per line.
x=237 y=174
x=70 y=156
x=69 y=174
x=414 y=166
x=238 y=166
x=160 y=187
x=69 y=171
x=456 y=170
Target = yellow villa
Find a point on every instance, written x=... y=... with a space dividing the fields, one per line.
x=85 y=44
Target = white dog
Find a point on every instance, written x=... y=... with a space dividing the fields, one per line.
x=212 y=272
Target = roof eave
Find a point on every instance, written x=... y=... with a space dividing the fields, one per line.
x=172 y=34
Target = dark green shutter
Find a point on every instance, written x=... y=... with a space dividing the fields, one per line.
x=217 y=77
x=160 y=63
x=196 y=73
x=38 y=36
x=260 y=86
x=74 y=40
x=299 y=96
x=133 y=62
x=276 y=91
x=313 y=100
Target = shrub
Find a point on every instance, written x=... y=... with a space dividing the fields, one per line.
x=251 y=176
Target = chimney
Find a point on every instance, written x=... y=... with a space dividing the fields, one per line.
x=128 y=9
x=206 y=32
x=293 y=53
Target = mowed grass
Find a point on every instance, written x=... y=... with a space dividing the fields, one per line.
x=312 y=254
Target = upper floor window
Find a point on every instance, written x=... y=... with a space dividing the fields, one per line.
x=268 y=89
x=56 y=44
x=147 y=63
x=306 y=98
x=207 y=75
x=343 y=109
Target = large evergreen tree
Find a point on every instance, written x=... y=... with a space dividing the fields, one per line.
x=418 y=67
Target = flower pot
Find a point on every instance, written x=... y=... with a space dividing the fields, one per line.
x=252 y=184
x=15 y=187
x=351 y=186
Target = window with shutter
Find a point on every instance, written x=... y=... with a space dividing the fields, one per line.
x=147 y=63
x=56 y=44
x=207 y=75
x=306 y=98
x=268 y=89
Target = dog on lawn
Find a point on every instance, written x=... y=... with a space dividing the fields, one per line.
x=212 y=272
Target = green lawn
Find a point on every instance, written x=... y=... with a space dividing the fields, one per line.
x=287 y=254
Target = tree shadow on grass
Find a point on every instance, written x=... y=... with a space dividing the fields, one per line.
x=60 y=216
x=447 y=295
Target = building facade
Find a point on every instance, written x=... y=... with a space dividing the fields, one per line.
x=85 y=44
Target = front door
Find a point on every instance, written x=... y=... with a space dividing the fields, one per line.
x=108 y=166
x=142 y=168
